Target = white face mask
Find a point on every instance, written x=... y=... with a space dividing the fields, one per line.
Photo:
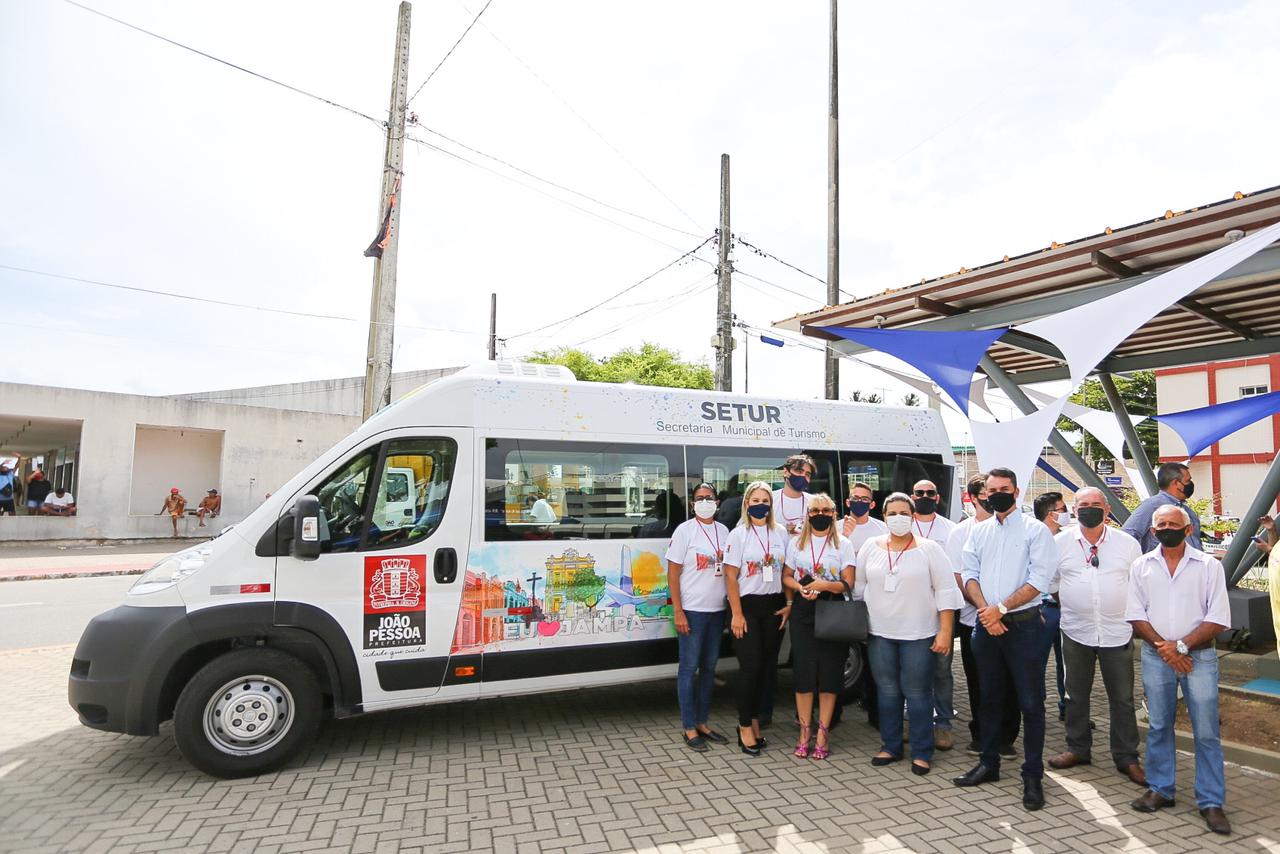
x=1064 y=519
x=898 y=525
x=704 y=509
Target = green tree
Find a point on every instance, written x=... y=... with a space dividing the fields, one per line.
x=586 y=587
x=860 y=397
x=1139 y=395
x=911 y=399
x=650 y=364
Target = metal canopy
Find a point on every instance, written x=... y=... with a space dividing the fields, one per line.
x=1233 y=316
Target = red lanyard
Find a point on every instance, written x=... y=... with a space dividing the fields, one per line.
x=888 y=551
x=767 y=549
x=716 y=544
x=782 y=505
x=1087 y=556
x=931 y=524
x=817 y=561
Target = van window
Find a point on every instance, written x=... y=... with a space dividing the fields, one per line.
x=540 y=490
x=342 y=502
x=730 y=470
x=412 y=491
x=887 y=473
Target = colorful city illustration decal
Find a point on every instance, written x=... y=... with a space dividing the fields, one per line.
x=522 y=595
x=395 y=602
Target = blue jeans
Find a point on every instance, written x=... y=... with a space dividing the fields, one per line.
x=1200 y=688
x=699 y=652
x=1053 y=640
x=904 y=669
x=1016 y=656
x=944 y=685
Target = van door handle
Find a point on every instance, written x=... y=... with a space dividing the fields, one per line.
x=446 y=566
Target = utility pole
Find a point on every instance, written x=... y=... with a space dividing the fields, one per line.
x=382 y=308
x=832 y=360
x=723 y=340
x=493 y=327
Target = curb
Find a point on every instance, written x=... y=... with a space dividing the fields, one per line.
x=44 y=576
x=1241 y=754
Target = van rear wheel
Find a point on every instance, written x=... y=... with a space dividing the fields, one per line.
x=247 y=712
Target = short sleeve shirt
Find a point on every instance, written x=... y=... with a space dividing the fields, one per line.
x=790 y=512
x=758 y=553
x=66 y=500
x=820 y=559
x=699 y=549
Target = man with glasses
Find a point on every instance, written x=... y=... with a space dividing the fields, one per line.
x=1176 y=486
x=929 y=525
x=1093 y=588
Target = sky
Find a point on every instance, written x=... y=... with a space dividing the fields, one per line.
x=968 y=132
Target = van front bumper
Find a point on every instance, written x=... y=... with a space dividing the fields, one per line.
x=120 y=665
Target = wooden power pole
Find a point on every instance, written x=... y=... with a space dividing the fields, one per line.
x=724 y=308
x=832 y=360
x=382 y=308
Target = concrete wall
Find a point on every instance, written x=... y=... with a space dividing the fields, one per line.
x=343 y=396
x=165 y=457
x=261 y=449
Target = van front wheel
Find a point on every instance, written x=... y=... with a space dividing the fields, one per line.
x=246 y=713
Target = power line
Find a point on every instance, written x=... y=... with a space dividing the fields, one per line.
x=763 y=253
x=676 y=299
x=744 y=274
x=608 y=299
x=226 y=303
x=248 y=71
x=449 y=53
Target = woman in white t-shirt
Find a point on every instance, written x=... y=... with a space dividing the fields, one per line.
x=911 y=598
x=816 y=568
x=753 y=579
x=695 y=574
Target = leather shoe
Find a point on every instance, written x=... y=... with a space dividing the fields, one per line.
x=1063 y=761
x=977 y=775
x=1151 y=801
x=1216 y=820
x=1135 y=773
x=942 y=739
x=1032 y=794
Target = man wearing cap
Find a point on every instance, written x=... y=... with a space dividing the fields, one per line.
x=175 y=505
x=210 y=505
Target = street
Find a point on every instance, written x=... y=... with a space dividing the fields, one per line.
x=45 y=613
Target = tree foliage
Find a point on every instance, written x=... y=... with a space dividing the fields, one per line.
x=911 y=399
x=1139 y=395
x=650 y=364
x=861 y=397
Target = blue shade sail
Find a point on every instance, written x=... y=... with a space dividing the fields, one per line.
x=1200 y=428
x=948 y=358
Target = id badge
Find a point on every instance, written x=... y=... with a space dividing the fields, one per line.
x=719 y=566
x=890 y=582
x=768 y=573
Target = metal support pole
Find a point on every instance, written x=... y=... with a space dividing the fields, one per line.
x=493 y=327
x=1060 y=444
x=724 y=305
x=831 y=361
x=1262 y=503
x=1139 y=454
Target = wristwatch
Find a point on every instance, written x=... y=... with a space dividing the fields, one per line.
x=1003 y=609
x=1182 y=649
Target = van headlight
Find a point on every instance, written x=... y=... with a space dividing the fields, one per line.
x=171 y=570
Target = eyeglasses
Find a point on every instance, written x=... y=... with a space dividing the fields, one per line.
x=926 y=493
x=822 y=513
x=1093 y=556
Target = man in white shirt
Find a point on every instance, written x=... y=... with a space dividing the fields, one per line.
x=542 y=511
x=1093 y=589
x=59 y=503
x=928 y=524
x=858 y=526
x=791 y=502
x=1178 y=605
x=1009 y=563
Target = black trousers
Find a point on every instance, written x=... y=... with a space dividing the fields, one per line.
x=1011 y=718
x=757 y=652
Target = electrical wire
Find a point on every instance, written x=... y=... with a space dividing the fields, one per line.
x=756 y=278
x=448 y=53
x=764 y=253
x=248 y=71
x=677 y=299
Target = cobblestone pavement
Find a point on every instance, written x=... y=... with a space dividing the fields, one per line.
x=585 y=771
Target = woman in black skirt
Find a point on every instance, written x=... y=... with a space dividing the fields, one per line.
x=817 y=567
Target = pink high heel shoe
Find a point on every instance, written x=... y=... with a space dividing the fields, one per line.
x=802 y=749
x=819 y=751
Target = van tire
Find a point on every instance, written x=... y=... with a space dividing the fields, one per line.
x=857 y=671
x=251 y=685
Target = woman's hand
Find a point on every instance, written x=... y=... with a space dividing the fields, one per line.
x=808 y=592
x=941 y=643
x=1267 y=522
x=738 y=625
x=785 y=613
x=682 y=622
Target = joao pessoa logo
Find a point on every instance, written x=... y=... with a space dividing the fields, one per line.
x=394 y=601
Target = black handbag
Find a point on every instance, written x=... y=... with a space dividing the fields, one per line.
x=840 y=620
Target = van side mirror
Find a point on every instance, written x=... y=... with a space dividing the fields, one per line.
x=306 y=528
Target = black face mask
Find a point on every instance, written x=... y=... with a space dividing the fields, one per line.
x=985 y=504
x=1171 y=538
x=1188 y=488
x=1001 y=501
x=820 y=523
x=926 y=506
x=1090 y=517
x=859 y=508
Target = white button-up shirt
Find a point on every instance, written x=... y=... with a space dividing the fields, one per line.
x=904 y=604
x=1175 y=605
x=955 y=553
x=1094 y=600
x=1003 y=555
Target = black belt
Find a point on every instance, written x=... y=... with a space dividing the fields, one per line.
x=1049 y=603
x=1020 y=616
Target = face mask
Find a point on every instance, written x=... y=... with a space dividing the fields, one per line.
x=1090 y=517
x=1171 y=538
x=859 y=508
x=985 y=504
x=926 y=506
x=820 y=523
x=898 y=525
x=704 y=509
x=1001 y=501
x=758 y=511
x=1064 y=519
x=1188 y=488
x=798 y=482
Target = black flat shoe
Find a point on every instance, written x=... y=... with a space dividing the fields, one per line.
x=881 y=761
x=977 y=775
x=713 y=736
x=749 y=749
x=697 y=743
x=920 y=770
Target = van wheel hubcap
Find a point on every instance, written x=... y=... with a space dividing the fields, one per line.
x=248 y=715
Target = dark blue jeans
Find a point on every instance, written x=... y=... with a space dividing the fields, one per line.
x=1017 y=657
x=1053 y=640
x=904 y=670
x=699 y=652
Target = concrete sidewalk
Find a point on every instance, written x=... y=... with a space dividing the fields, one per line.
x=44 y=560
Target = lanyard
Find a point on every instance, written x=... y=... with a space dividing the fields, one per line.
x=782 y=505
x=817 y=561
x=766 y=546
x=931 y=524
x=888 y=551
x=716 y=544
x=1098 y=545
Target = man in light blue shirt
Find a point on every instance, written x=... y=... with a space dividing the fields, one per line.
x=1176 y=486
x=1007 y=566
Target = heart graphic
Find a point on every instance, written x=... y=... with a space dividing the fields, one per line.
x=547 y=629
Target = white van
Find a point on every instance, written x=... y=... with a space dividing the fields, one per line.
x=403 y=567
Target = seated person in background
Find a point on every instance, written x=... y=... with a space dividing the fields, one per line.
x=60 y=503
x=542 y=511
x=210 y=505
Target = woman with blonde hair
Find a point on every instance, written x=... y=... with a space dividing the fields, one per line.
x=753 y=559
x=819 y=565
